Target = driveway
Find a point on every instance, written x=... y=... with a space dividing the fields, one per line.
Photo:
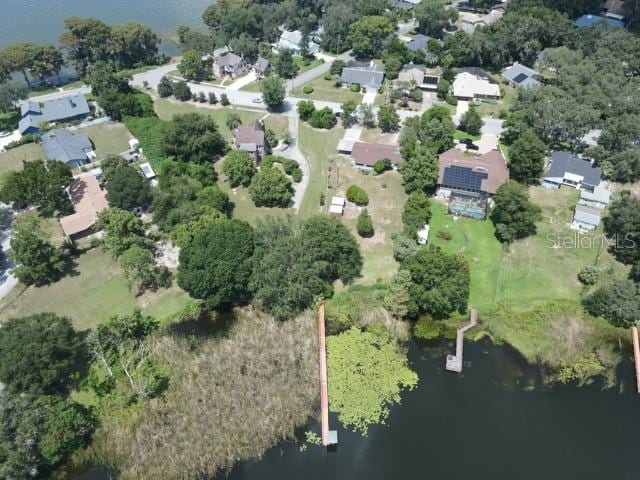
x=15 y=135
x=294 y=153
x=152 y=77
x=487 y=142
x=242 y=81
x=309 y=75
x=462 y=108
x=370 y=96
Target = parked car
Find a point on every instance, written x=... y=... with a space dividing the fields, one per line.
x=4 y=134
x=257 y=100
x=469 y=144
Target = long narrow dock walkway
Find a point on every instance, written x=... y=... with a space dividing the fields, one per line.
x=636 y=354
x=454 y=362
x=329 y=437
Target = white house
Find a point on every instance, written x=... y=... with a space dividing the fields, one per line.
x=586 y=218
x=473 y=83
x=293 y=41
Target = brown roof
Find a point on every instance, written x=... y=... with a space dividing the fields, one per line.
x=369 y=153
x=614 y=6
x=88 y=200
x=252 y=134
x=491 y=162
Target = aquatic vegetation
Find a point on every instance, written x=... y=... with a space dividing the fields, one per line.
x=367 y=374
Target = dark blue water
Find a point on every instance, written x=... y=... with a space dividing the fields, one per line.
x=494 y=422
x=41 y=21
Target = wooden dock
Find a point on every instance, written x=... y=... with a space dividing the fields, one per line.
x=329 y=437
x=636 y=354
x=454 y=362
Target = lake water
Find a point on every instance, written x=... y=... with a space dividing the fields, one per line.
x=493 y=422
x=41 y=21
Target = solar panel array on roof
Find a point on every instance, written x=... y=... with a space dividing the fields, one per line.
x=521 y=77
x=463 y=177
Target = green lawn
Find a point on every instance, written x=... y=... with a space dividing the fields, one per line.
x=252 y=87
x=386 y=201
x=476 y=241
x=108 y=138
x=302 y=67
x=94 y=292
x=376 y=135
x=243 y=206
x=493 y=109
x=459 y=135
x=167 y=109
x=544 y=267
x=324 y=90
x=278 y=123
x=319 y=146
x=11 y=160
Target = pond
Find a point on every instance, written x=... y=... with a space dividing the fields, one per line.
x=494 y=421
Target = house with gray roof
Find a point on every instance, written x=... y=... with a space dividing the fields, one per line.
x=519 y=75
x=261 y=67
x=565 y=168
x=401 y=4
x=74 y=149
x=227 y=63
x=370 y=76
x=586 y=218
x=420 y=42
x=64 y=109
x=251 y=139
x=599 y=198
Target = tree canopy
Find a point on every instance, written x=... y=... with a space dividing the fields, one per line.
x=39 y=354
x=440 y=283
x=270 y=188
x=193 y=137
x=126 y=187
x=369 y=35
x=622 y=226
x=215 y=265
x=273 y=92
x=513 y=215
x=239 y=168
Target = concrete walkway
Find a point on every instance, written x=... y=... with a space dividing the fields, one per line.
x=294 y=153
x=242 y=81
x=370 y=97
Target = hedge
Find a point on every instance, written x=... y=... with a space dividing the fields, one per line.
x=357 y=195
x=307 y=89
x=149 y=131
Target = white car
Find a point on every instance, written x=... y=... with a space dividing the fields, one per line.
x=257 y=100
x=4 y=134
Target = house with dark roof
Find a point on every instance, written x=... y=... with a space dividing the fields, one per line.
x=420 y=42
x=589 y=20
x=565 y=168
x=423 y=77
x=468 y=181
x=74 y=149
x=261 y=67
x=64 y=109
x=251 y=139
x=520 y=75
x=227 y=63
x=401 y=4
x=366 y=154
x=369 y=76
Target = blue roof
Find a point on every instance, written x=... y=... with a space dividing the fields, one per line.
x=592 y=20
x=66 y=146
x=63 y=108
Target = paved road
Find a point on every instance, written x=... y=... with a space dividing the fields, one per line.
x=7 y=280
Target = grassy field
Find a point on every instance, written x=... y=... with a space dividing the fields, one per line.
x=488 y=109
x=324 y=90
x=108 y=138
x=376 y=135
x=320 y=148
x=386 y=201
x=243 y=206
x=11 y=160
x=252 y=87
x=544 y=267
x=166 y=109
x=459 y=135
x=476 y=241
x=299 y=61
x=90 y=295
